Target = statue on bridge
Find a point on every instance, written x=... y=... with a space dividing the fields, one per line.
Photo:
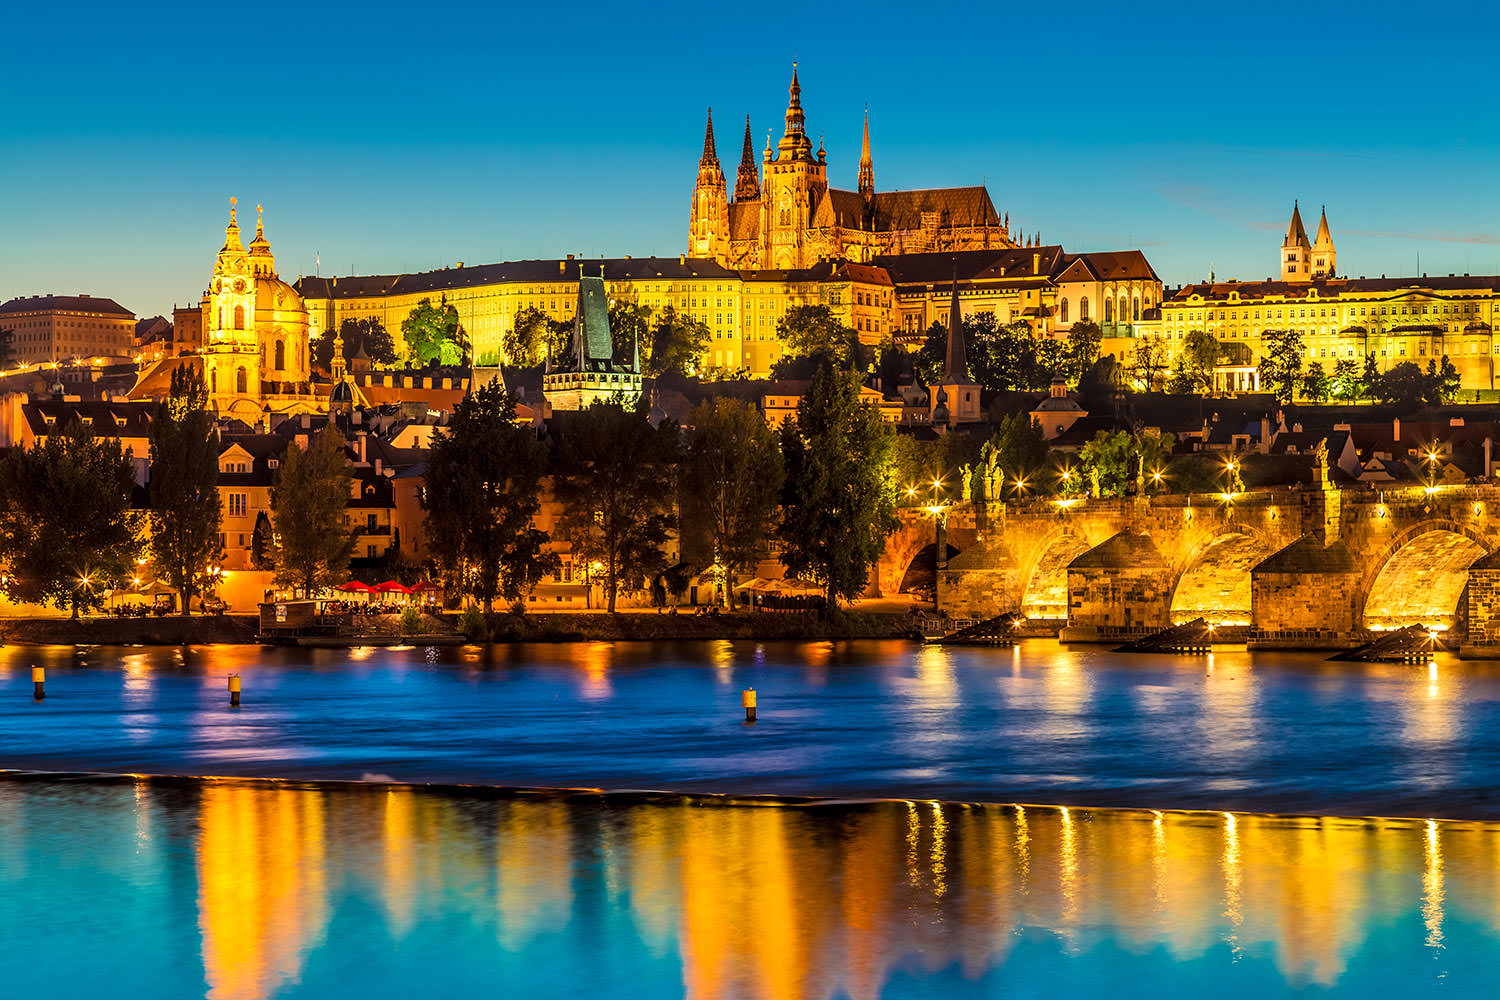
x=991 y=476
x=967 y=471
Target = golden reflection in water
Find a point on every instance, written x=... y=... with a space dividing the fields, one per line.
x=262 y=894
x=1432 y=886
x=778 y=902
x=721 y=655
x=594 y=659
x=935 y=680
x=1232 y=876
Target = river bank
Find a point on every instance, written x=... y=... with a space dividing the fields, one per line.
x=201 y=630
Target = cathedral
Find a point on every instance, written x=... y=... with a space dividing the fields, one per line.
x=784 y=215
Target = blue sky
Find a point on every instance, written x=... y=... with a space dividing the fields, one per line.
x=404 y=137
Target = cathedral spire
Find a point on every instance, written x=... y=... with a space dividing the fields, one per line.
x=710 y=152
x=1296 y=236
x=747 y=184
x=794 y=143
x=866 y=165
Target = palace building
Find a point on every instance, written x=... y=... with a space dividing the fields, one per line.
x=785 y=216
x=1341 y=319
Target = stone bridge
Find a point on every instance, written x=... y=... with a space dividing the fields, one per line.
x=1304 y=567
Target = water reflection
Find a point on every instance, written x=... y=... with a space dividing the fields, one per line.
x=760 y=901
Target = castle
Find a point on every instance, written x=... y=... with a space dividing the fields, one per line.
x=785 y=216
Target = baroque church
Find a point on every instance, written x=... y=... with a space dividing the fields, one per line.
x=255 y=352
x=784 y=215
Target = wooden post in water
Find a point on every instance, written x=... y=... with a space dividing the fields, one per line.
x=38 y=683
x=234 y=690
x=747 y=699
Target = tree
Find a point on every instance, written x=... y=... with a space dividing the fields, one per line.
x=185 y=512
x=1443 y=382
x=433 y=333
x=807 y=330
x=262 y=543
x=678 y=340
x=534 y=337
x=1082 y=349
x=1315 y=384
x=1148 y=365
x=482 y=492
x=630 y=329
x=1108 y=460
x=1182 y=381
x=308 y=496
x=1404 y=387
x=1200 y=356
x=730 y=480
x=1369 y=382
x=615 y=483
x=839 y=498
x=1153 y=452
x=67 y=533
x=1281 y=362
x=1020 y=451
x=367 y=332
x=1346 y=380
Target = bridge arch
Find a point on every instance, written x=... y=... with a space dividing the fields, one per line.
x=1044 y=575
x=1215 y=581
x=1420 y=575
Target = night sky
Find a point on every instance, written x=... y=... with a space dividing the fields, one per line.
x=389 y=137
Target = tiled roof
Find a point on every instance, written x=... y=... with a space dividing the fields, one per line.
x=973 y=265
x=436 y=282
x=114 y=418
x=1334 y=286
x=959 y=206
x=65 y=303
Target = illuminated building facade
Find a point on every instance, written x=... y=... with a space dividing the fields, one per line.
x=254 y=349
x=1347 y=319
x=45 y=328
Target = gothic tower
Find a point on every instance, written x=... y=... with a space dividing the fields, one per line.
x=794 y=183
x=1324 y=258
x=230 y=349
x=708 y=224
x=866 y=166
x=747 y=184
x=1296 y=252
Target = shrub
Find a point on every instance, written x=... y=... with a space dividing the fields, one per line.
x=472 y=624
x=411 y=620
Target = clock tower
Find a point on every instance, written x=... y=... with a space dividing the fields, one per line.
x=231 y=370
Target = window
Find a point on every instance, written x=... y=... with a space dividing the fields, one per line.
x=1062 y=311
x=239 y=317
x=241 y=381
x=281 y=355
x=1083 y=308
x=236 y=505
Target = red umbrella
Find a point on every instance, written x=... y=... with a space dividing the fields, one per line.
x=424 y=587
x=390 y=587
x=355 y=587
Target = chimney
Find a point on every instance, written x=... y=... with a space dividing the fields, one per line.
x=1036 y=263
x=1265 y=434
x=362 y=438
x=378 y=467
x=1396 y=429
x=1489 y=444
x=562 y=266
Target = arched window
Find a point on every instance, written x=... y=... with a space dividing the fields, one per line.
x=241 y=381
x=1083 y=308
x=1124 y=308
x=213 y=380
x=1135 y=309
x=1062 y=311
x=281 y=355
x=1109 y=310
x=239 y=317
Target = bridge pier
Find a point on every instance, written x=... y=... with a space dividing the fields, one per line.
x=1480 y=639
x=1306 y=596
x=1119 y=589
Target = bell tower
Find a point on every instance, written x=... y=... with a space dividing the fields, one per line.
x=794 y=183
x=231 y=370
x=1296 y=252
x=708 y=223
x=1324 y=257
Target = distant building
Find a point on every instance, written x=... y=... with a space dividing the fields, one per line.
x=62 y=327
x=1303 y=261
x=591 y=371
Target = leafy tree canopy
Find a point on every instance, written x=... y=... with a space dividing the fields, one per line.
x=366 y=332
x=185 y=511
x=308 y=497
x=432 y=333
